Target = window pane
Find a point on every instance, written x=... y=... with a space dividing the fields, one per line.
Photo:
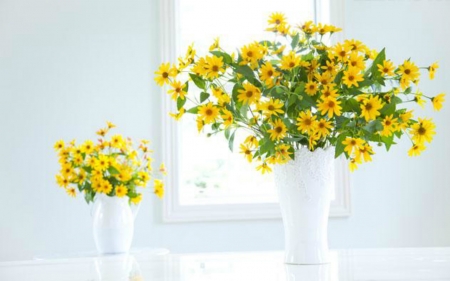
x=209 y=172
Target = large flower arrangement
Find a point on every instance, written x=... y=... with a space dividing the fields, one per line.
x=297 y=91
x=111 y=166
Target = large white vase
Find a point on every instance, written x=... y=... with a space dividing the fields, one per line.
x=113 y=224
x=304 y=188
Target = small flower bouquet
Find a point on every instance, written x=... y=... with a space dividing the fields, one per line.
x=111 y=166
x=297 y=91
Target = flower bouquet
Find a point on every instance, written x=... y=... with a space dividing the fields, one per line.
x=303 y=102
x=112 y=173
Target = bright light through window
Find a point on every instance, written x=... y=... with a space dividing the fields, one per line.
x=209 y=172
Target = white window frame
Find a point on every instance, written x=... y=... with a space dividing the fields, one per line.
x=331 y=11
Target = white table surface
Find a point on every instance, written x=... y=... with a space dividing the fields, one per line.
x=411 y=264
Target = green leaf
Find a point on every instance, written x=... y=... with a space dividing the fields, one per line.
x=339 y=145
x=266 y=145
x=378 y=60
x=113 y=171
x=388 y=141
x=231 y=141
x=373 y=126
x=235 y=92
x=246 y=71
x=388 y=109
x=198 y=81
x=203 y=96
x=295 y=40
x=227 y=133
x=193 y=110
x=89 y=196
x=180 y=102
x=226 y=57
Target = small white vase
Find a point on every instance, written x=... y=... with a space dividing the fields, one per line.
x=113 y=224
x=304 y=188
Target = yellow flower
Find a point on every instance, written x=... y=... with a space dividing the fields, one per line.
x=215 y=45
x=227 y=117
x=272 y=107
x=323 y=128
x=306 y=122
x=62 y=180
x=419 y=100
x=370 y=108
x=312 y=141
x=222 y=98
x=158 y=186
x=144 y=176
x=309 y=27
x=102 y=163
x=200 y=67
x=162 y=169
x=354 y=45
x=278 y=131
x=117 y=141
x=352 y=76
x=290 y=61
x=250 y=94
x=329 y=92
x=264 y=168
x=409 y=71
x=389 y=126
x=80 y=178
x=387 y=68
x=121 y=191
x=356 y=61
x=214 y=66
x=102 y=132
x=365 y=152
x=88 y=147
x=252 y=141
x=416 y=149
x=437 y=101
x=330 y=67
x=311 y=88
x=329 y=106
x=200 y=123
x=351 y=144
x=353 y=165
x=268 y=74
x=177 y=116
x=208 y=113
x=324 y=79
x=251 y=53
x=110 y=125
x=423 y=131
x=124 y=175
x=164 y=73
x=67 y=170
x=246 y=150
x=432 y=70
x=59 y=145
x=71 y=191
x=277 y=18
x=341 y=52
x=136 y=200
x=177 y=90
x=78 y=159
x=283 y=154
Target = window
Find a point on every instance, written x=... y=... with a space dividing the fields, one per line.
x=207 y=181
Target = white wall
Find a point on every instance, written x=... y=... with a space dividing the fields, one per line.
x=67 y=66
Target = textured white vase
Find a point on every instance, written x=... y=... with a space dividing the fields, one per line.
x=113 y=224
x=304 y=188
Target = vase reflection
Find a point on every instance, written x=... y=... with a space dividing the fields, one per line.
x=118 y=267
x=315 y=272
